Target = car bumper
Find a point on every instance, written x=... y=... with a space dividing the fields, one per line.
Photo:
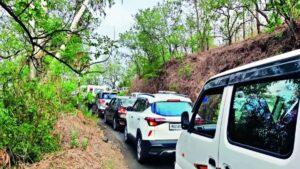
x=161 y=147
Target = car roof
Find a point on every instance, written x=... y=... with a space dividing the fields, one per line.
x=164 y=97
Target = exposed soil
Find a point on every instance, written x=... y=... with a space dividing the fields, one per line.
x=99 y=154
x=206 y=64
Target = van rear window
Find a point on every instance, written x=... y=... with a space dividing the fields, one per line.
x=170 y=108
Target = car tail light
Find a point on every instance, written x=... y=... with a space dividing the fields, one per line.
x=200 y=166
x=101 y=101
x=122 y=110
x=155 y=121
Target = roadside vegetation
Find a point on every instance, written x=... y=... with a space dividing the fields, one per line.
x=174 y=29
x=48 y=49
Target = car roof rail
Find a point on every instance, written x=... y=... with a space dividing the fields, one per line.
x=146 y=94
x=166 y=92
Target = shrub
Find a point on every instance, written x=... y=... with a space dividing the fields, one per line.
x=74 y=139
x=84 y=143
x=173 y=87
x=185 y=71
x=29 y=110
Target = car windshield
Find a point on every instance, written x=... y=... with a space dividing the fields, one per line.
x=171 y=108
x=128 y=102
x=97 y=91
x=109 y=95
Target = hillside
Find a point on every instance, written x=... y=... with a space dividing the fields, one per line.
x=187 y=76
x=98 y=152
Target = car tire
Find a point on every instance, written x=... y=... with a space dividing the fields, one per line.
x=94 y=109
x=101 y=114
x=115 y=124
x=105 y=119
x=141 y=153
x=126 y=139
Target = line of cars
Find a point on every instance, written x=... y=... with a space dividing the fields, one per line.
x=244 y=118
x=150 y=121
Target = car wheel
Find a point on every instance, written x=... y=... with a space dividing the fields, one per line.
x=126 y=135
x=115 y=124
x=140 y=150
x=94 y=109
x=105 y=119
x=101 y=114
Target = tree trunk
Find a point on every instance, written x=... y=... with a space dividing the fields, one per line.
x=244 y=25
x=198 y=23
x=257 y=23
x=32 y=73
x=78 y=15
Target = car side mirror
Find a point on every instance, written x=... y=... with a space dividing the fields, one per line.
x=185 y=120
x=107 y=104
x=129 y=108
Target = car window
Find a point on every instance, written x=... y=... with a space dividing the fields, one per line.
x=205 y=121
x=140 y=105
x=264 y=115
x=127 y=102
x=118 y=102
x=111 y=103
x=108 y=95
x=136 y=105
x=171 y=108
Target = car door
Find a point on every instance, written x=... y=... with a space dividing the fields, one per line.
x=138 y=114
x=260 y=126
x=130 y=118
x=110 y=109
x=198 y=146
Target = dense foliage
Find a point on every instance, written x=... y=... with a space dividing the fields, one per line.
x=174 y=28
x=46 y=50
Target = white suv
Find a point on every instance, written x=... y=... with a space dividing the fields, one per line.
x=153 y=123
x=246 y=118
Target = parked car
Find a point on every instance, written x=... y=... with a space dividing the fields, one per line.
x=101 y=100
x=153 y=124
x=245 y=118
x=116 y=110
x=94 y=89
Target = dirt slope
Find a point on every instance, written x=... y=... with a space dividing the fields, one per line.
x=199 y=67
x=99 y=154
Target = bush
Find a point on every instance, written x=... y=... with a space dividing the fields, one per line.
x=74 y=139
x=28 y=112
x=84 y=143
x=185 y=71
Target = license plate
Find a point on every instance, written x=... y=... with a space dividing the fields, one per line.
x=175 y=126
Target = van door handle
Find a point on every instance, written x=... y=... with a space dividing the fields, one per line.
x=212 y=162
x=138 y=119
x=131 y=116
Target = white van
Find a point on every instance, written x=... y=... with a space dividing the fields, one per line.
x=245 y=118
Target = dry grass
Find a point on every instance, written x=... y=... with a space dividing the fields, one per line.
x=96 y=155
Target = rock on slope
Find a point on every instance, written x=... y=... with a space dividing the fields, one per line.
x=201 y=66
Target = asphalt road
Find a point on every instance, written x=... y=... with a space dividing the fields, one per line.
x=129 y=152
